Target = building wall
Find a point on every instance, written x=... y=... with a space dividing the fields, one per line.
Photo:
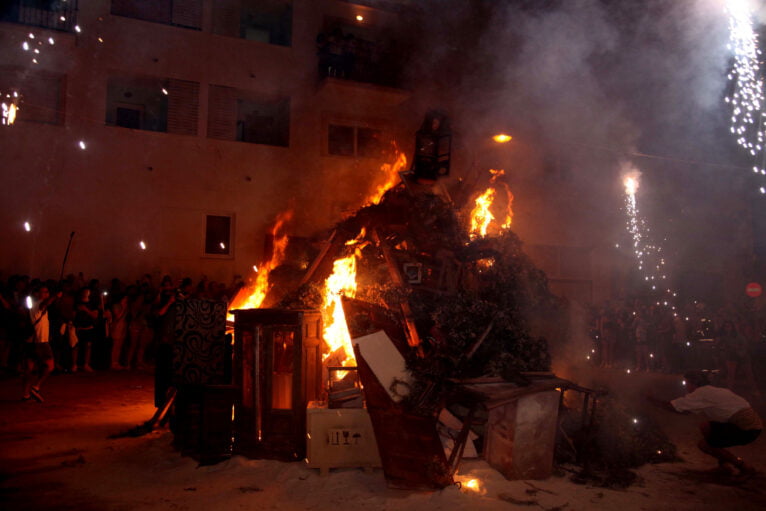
x=129 y=185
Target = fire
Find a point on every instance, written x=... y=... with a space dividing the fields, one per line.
x=252 y=296
x=391 y=171
x=341 y=283
x=631 y=185
x=482 y=217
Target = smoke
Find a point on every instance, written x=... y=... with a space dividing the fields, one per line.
x=603 y=88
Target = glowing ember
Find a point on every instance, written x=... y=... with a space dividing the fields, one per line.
x=391 y=171
x=482 y=217
x=9 y=113
x=252 y=296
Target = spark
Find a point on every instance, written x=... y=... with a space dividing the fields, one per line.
x=746 y=97
x=25 y=45
x=635 y=421
x=502 y=138
x=82 y=144
x=51 y=41
x=164 y=91
x=29 y=302
x=77 y=28
x=648 y=255
x=27 y=227
x=222 y=245
x=359 y=17
x=142 y=245
x=31 y=35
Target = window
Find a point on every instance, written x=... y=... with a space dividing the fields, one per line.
x=344 y=140
x=39 y=96
x=153 y=104
x=267 y=21
x=218 y=235
x=182 y=13
x=54 y=14
x=246 y=117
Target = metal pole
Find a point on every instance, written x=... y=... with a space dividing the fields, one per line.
x=66 y=255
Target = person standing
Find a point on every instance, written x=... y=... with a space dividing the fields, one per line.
x=38 y=360
x=119 y=328
x=736 y=354
x=85 y=320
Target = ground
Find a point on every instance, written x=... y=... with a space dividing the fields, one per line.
x=57 y=455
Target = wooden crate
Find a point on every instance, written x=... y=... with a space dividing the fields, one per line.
x=339 y=438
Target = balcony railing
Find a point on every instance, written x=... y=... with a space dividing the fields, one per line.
x=52 y=14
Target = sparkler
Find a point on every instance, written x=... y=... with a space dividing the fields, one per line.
x=648 y=255
x=746 y=98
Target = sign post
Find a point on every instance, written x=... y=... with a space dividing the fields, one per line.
x=753 y=290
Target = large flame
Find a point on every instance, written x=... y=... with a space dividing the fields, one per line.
x=252 y=295
x=391 y=171
x=483 y=220
x=341 y=283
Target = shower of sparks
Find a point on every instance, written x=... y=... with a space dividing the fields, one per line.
x=746 y=97
x=649 y=259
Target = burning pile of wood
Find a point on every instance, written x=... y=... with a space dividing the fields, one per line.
x=464 y=306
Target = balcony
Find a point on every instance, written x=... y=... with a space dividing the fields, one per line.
x=52 y=14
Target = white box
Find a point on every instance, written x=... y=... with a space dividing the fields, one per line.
x=339 y=438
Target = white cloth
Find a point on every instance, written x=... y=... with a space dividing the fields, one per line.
x=40 y=321
x=716 y=403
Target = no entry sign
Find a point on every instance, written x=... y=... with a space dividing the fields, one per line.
x=753 y=289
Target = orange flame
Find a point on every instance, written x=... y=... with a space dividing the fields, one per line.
x=342 y=282
x=391 y=171
x=252 y=296
x=483 y=220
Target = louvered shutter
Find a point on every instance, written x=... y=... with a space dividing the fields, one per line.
x=222 y=113
x=226 y=17
x=187 y=13
x=183 y=107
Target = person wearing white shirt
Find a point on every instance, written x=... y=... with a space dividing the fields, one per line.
x=38 y=363
x=731 y=420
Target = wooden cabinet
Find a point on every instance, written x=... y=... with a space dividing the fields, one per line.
x=278 y=366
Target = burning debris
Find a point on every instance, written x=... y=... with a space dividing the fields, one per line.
x=465 y=303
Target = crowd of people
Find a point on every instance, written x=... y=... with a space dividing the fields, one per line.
x=78 y=325
x=643 y=336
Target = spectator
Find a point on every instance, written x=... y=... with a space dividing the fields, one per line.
x=85 y=321
x=38 y=363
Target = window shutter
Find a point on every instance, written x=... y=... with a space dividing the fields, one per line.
x=226 y=17
x=222 y=113
x=183 y=107
x=187 y=13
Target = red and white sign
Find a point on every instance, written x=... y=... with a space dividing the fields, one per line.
x=753 y=290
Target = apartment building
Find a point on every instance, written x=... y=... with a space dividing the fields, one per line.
x=168 y=134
